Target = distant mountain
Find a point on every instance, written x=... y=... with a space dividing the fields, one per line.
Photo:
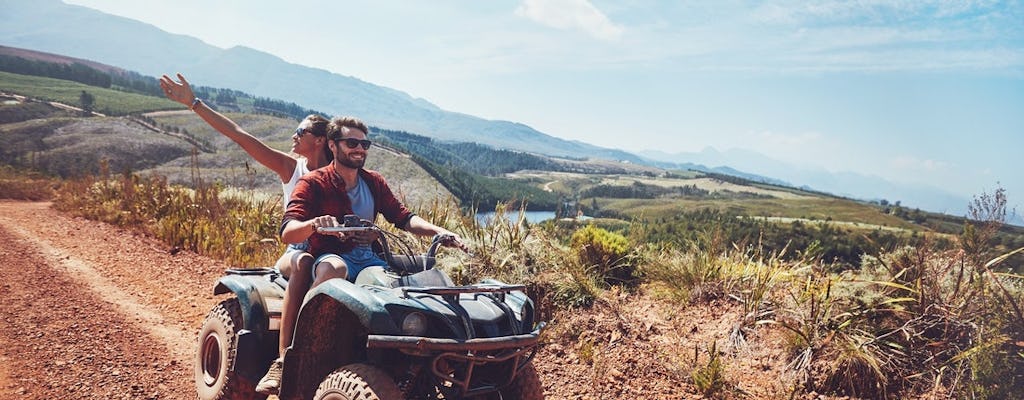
x=847 y=184
x=694 y=161
x=58 y=59
x=52 y=26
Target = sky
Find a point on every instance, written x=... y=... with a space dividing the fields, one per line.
x=916 y=92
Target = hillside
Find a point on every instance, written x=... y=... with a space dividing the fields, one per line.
x=107 y=101
x=675 y=206
x=57 y=58
x=52 y=26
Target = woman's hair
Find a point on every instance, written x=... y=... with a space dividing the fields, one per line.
x=334 y=129
x=318 y=127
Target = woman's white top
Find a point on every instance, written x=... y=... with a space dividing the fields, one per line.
x=289 y=187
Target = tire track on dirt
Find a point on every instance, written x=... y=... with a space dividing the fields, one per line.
x=176 y=340
x=63 y=340
x=94 y=311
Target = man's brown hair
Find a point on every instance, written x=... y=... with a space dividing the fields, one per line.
x=334 y=129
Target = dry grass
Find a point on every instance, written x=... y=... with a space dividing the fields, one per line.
x=240 y=230
x=22 y=185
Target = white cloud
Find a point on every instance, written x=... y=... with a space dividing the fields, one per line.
x=571 y=15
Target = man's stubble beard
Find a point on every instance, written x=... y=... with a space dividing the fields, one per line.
x=352 y=164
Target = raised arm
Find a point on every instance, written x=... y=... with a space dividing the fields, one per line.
x=278 y=161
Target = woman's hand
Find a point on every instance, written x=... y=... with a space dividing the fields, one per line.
x=178 y=91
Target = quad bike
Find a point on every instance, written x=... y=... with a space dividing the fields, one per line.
x=403 y=331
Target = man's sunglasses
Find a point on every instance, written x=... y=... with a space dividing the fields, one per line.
x=353 y=143
x=299 y=132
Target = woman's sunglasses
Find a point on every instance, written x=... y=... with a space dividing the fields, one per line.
x=353 y=143
x=299 y=132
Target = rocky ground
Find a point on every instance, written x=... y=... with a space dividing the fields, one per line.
x=91 y=311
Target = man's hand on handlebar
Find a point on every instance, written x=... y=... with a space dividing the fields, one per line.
x=449 y=239
x=329 y=225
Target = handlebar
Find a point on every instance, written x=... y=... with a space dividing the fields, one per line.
x=437 y=241
x=352 y=223
x=332 y=229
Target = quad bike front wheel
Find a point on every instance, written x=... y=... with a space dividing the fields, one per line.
x=526 y=386
x=358 y=382
x=216 y=354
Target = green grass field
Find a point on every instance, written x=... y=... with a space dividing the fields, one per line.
x=107 y=101
x=782 y=203
x=810 y=208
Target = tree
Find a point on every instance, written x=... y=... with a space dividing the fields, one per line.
x=88 y=101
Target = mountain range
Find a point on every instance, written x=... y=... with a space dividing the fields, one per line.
x=846 y=184
x=75 y=31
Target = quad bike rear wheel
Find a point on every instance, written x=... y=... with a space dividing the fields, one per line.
x=216 y=355
x=358 y=382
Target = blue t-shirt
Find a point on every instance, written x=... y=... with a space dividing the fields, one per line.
x=362 y=200
x=362 y=205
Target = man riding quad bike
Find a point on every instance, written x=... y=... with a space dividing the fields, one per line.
x=403 y=331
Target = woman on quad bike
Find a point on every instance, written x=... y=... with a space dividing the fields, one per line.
x=309 y=152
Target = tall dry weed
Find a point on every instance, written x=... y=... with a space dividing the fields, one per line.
x=25 y=185
x=240 y=230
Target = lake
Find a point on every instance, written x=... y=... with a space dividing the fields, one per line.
x=532 y=217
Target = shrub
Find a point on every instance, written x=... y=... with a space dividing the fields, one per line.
x=609 y=253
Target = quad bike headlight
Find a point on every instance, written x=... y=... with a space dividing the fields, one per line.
x=414 y=324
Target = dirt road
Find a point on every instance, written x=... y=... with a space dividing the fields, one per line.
x=90 y=311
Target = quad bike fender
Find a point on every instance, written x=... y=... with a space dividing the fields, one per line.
x=256 y=344
x=366 y=309
x=252 y=293
x=330 y=331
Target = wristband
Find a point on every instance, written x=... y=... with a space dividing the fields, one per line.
x=195 y=102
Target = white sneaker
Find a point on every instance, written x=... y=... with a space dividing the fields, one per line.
x=271 y=382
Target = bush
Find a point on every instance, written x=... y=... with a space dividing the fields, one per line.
x=609 y=253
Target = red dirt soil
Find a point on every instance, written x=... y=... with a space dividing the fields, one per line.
x=93 y=311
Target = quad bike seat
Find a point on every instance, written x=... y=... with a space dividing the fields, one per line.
x=379 y=276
